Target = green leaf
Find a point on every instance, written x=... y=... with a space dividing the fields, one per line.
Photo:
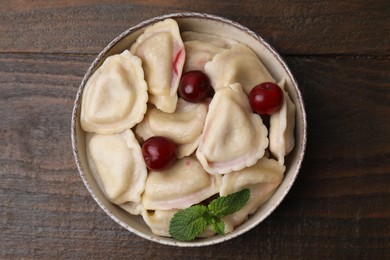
x=186 y=224
x=229 y=204
x=219 y=226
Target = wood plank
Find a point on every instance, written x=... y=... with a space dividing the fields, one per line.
x=292 y=27
x=338 y=207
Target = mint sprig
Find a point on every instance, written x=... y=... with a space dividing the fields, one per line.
x=229 y=204
x=188 y=223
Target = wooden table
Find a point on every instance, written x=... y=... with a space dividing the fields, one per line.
x=339 y=52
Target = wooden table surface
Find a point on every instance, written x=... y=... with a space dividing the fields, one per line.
x=339 y=52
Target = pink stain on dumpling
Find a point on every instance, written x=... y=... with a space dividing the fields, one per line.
x=177 y=66
x=187 y=163
x=176 y=61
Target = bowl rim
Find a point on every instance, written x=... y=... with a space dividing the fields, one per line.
x=92 y=67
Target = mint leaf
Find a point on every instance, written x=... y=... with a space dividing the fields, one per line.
x=186 y=224
x=229 y=204
x=219 y=226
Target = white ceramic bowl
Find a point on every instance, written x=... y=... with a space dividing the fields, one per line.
x=271 y=59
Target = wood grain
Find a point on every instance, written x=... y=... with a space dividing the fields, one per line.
x=338 y=209
x=339 y=51
x=292 y=27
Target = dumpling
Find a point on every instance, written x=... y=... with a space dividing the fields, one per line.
x=216 y=40
x=159 y=221
x=237 y=65
x=262 y=179
x=233 y=137
x=181 y=186
x=162 y=52
x=202 y=47
x=282 y=125
x=115 y=96
x=117 y=165
x=183 y=127
x=198 y=54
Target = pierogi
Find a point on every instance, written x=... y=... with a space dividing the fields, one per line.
x=162 y=53
x=222 y=145
x=184 y=126
x=233 y=139
x=115 y=96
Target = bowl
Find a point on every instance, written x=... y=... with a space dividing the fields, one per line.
x=207 y=23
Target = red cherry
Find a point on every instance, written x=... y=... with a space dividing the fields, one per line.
x=159 y=153
x=194 y=86
x=266 y=98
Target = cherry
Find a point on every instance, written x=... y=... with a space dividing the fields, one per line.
x=159 y=153
x=266 y=98
x=194 y=86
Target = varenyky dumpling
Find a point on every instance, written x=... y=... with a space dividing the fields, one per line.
x=202 y=47
x=198 y=54
x=183 y=127
x=216 y=40
x=159 y=220
x=238 y=64
x=262 y=179
x=282 y=124
x=115 y=96
x=182 y=185
x=117 y=164
x=162 y=52
x=233 y=137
